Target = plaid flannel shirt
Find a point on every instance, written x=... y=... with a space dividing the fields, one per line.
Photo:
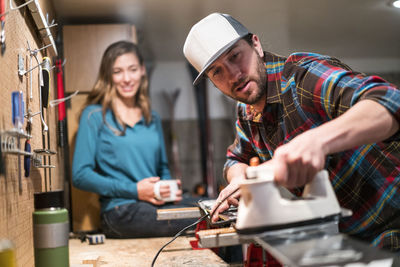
x=306 y=90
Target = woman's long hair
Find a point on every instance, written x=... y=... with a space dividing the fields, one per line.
x=104 y=90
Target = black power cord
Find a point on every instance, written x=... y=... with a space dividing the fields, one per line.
x=176 y=236
x=187 y=227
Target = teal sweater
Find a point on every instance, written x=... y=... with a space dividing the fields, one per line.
x=111 y=165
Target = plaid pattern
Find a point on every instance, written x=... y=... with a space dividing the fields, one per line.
x=304 y=91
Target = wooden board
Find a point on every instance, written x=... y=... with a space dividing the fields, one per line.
x=141 y=251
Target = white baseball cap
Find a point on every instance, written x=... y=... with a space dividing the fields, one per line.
x=210 y=38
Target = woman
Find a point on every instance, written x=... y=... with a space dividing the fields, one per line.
x=120 y=151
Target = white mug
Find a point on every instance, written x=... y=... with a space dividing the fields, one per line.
x=173 y=188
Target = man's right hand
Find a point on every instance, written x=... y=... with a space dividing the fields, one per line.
x=232 y=200
x=235 y=175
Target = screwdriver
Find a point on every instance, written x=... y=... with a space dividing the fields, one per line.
x=45 y=89
x=17 y=112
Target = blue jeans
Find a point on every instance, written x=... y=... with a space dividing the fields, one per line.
x=140 y=220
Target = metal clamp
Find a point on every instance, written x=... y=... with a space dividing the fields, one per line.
x=9 y=142
x=37 y=158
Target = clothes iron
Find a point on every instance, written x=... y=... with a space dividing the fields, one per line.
x=300 y=231
x=264 y=206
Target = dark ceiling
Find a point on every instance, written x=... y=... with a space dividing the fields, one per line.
x=364 y=31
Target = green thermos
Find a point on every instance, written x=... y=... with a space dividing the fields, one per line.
x=50 y=230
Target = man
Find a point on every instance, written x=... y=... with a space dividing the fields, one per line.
x=302 y=114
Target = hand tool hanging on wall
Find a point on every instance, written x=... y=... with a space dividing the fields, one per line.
x=17 y=109
x=44 y=97
x=27 y=158
x=49 y=152
x=62 y=136
x=3 y=21
x=61 y=106
x=45 y=88
x=17 y=106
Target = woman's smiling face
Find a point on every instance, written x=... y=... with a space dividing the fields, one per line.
x=127 y=74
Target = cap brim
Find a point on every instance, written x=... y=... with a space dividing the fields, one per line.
x=215 y=57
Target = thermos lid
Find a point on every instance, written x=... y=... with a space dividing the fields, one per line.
x=51 y=199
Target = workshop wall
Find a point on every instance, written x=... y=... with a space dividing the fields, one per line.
x=16 y=190
x=189 y=150
x=171 y=76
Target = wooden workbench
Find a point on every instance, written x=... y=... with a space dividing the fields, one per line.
x=140 y=252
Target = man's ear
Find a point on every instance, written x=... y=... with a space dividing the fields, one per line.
x=257 y=45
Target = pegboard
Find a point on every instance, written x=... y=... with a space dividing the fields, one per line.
x=16 y=199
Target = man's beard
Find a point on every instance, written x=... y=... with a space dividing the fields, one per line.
x=261 y=82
